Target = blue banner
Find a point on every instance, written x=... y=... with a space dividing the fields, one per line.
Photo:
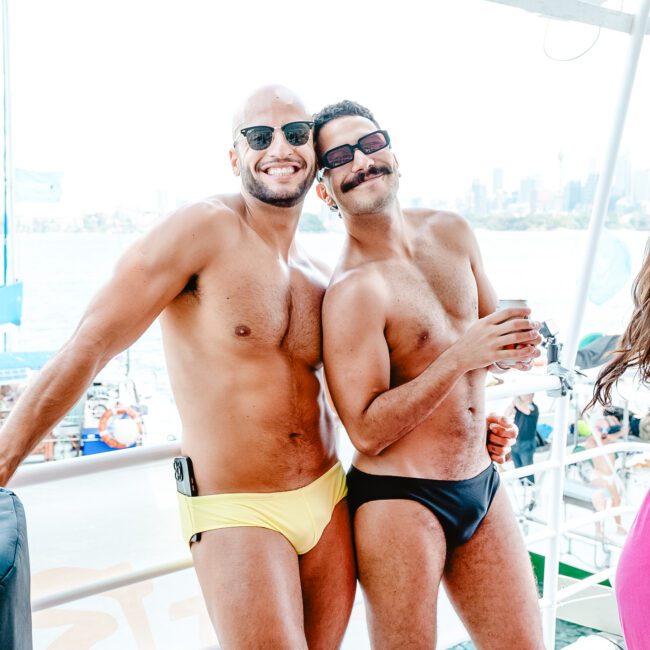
x=11 y=303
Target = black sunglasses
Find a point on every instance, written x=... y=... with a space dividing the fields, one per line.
x=344 y=154
x=260 y=137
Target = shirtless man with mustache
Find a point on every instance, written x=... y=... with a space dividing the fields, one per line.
x=409 y=329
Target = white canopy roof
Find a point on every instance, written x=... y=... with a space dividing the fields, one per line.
x=581 y=11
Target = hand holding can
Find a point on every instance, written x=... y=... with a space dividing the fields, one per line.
x=513 y=304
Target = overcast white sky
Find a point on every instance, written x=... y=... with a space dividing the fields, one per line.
x=131 y=97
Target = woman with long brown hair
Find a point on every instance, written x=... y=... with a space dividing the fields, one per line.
x=633 y=573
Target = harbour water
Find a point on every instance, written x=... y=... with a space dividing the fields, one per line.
x=61 y=272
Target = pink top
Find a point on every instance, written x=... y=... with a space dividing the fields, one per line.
x=633 y=582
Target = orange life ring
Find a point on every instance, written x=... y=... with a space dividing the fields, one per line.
x=107 y=415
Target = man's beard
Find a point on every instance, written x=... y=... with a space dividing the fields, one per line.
x=287 y=199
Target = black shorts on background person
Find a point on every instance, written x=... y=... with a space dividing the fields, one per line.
x=526 y=415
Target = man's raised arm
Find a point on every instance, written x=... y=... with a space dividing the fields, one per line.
x=148 y=276
x=357 y=363
x=462 y=232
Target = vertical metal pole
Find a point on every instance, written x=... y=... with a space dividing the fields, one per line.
x=552 y=560
x=8 y=226
x=599 y=211
x=7 y=167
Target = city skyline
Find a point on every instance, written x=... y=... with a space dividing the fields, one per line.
x=134 y=109
x=530 y=196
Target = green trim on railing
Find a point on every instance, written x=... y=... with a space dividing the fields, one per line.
x=566 y=570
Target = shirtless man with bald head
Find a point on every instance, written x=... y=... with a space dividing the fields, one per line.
x=239 y=305
x=240 y=308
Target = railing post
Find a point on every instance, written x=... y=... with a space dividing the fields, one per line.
x=598 y=214
x=552 y=560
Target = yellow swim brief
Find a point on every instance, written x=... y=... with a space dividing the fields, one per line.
x=300 y=515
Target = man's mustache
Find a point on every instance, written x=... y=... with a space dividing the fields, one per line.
x=361 y=177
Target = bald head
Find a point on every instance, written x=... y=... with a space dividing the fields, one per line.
x=278 y=172
x=263 y=104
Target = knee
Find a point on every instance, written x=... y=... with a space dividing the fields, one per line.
x=276 y=636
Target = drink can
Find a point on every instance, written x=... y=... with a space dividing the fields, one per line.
x=510 y=304
x=518 y=303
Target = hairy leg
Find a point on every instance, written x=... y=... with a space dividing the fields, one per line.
x=401 y=556
x=329 y=579
x=491 y=576
x=251 y=584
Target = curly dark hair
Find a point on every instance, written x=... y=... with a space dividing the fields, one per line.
x=344 y=108
x=634 y=350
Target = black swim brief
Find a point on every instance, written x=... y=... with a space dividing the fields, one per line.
x=459 y=506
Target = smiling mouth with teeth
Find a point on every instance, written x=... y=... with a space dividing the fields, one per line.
x=281 y=171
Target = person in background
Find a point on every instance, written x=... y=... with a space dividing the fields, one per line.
x=526 y=416
x=606 y=431
x=633 y=573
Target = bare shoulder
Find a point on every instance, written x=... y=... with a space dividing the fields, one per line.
x=448 y=227
x=217 y=213
x=194 y=232
x=441 y=221
x=360 y=290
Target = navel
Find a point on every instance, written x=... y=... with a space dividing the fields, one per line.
x=242 y=330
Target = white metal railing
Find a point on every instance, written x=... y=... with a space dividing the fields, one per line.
x=547 y=533
x=578 y=457
x=70 y=467
x=108 y=584
x=584 y=583
x=27 y=475
x=521 y=384
x=74 y=467
x=165 y=568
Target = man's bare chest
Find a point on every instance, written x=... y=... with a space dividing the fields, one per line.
x=431 y=303
x=254 y=310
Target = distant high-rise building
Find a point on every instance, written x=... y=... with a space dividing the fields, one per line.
x=529 y=193
x=560 y=170
x=497 y=180
x=572 y=195
x=641 y=186
x=589 y=189
x=622 y=184
x=479 y=198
